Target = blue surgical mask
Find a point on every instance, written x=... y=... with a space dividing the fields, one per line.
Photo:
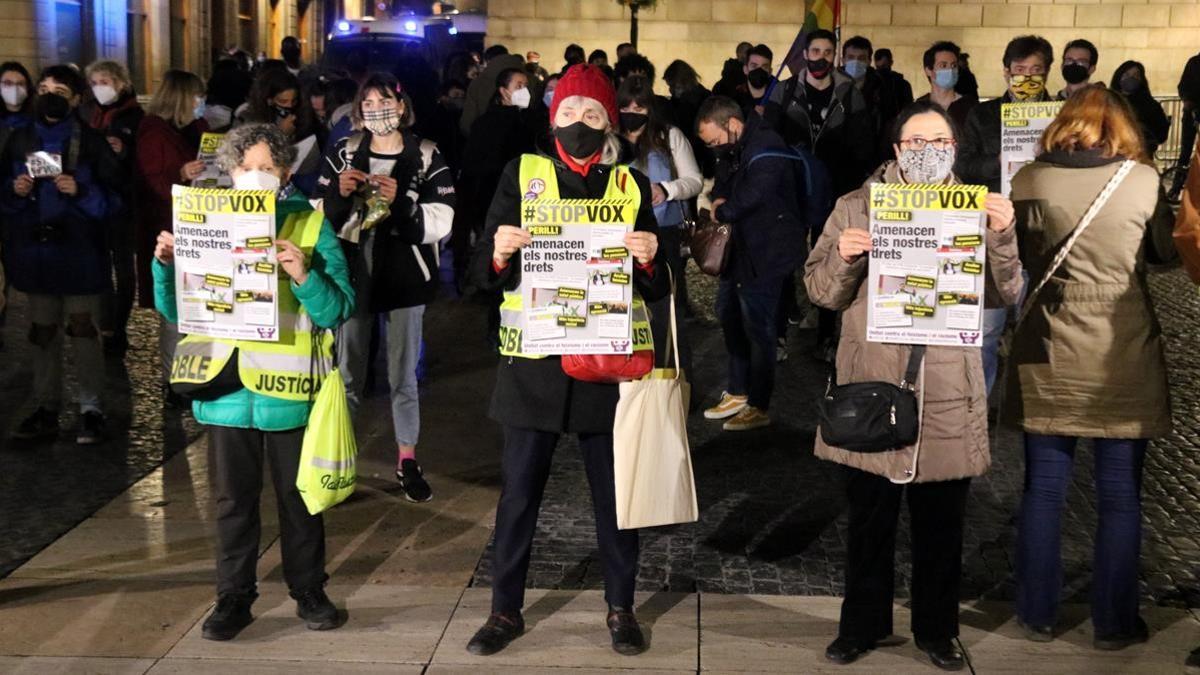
x=856 y=69
x=946 y=78
x=547 y=98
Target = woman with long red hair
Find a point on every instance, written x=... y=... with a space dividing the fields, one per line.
x=1087 y=358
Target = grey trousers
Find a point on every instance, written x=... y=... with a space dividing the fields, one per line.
x=403 y=344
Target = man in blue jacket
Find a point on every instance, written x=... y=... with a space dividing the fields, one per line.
x=55 y=202
x=758 y=200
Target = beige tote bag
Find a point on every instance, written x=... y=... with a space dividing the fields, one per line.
x=652 y=463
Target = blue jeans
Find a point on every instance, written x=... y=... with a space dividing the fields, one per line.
x=1118 y=473
x=993 y=330
x=747 y=315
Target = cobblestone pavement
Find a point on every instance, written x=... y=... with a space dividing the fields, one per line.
x=46 y=488
x=772 y=517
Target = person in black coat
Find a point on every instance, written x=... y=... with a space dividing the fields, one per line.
x=1130 y=79
x=506 y=131
x=534 y=399
x=757 y=197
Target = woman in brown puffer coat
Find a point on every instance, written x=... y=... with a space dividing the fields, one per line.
x=1087 y=362
x=953 y=446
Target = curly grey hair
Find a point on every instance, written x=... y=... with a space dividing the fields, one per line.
x=233 y=149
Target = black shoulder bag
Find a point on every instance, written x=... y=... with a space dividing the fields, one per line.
x=872 y=416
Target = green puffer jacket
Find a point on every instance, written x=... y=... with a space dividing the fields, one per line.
x=326 y=295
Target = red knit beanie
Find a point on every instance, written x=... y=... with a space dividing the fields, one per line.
x=586 y=80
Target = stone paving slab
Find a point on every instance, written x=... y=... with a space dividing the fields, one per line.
x=131 y=548
x=171 y=666
x=764 y=633
x=92 y=665
x=566 y=629
x=386 y=624
x=132 y=618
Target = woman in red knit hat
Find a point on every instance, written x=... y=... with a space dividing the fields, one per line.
x=534 y=399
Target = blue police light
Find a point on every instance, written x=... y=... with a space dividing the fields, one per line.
x=410 y=26
x=343 y=26
x=453 y=30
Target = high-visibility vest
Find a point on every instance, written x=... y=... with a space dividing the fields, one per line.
x=538 y=171
x=290 y=368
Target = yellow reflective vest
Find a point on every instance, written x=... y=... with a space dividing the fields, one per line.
x=288 y=369
x=538 y=171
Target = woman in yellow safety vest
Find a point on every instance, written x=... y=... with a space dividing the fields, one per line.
x=534 y=399
x=255 y=397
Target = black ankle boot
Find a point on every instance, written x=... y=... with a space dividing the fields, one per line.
x=230 y=616
x=844 y=650
x=501 y=628
x=627 y=637
x=945 y=654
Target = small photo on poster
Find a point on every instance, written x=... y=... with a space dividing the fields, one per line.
x=550 y=301
x=956 y=273
x=961 y=233
x=604 y=280
x=252 y=271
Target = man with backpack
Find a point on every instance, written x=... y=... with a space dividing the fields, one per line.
x=755 y=193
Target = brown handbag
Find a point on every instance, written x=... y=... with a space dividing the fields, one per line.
x=710 y=247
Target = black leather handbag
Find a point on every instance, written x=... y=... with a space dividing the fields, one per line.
x=872 y=416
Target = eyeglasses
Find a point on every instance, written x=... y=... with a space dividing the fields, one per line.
x=935 y=143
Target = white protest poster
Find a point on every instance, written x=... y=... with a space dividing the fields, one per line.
x=577 y=277
x=212 y=177
x=226 y=276
x=1021 y=127
x=928 y=259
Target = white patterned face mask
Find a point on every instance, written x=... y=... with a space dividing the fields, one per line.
x=927 y=165
x=381 y=122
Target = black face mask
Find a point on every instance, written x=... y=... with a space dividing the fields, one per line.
x=580 y=140
x=819 y=68
x=758 y=78
x=283 y=113
x=727 y=148
x=53 y=107
x=1130 y=84
x=1074 y=73
x=632 y=121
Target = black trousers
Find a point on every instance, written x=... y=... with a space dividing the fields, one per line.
x=525 y=466
x=237 y=469
x=936 y=511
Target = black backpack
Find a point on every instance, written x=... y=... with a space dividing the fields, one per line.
x=814 y=185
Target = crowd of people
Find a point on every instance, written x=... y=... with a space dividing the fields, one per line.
x=374 y=171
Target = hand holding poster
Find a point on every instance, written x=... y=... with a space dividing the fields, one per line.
x=1021 y=127
x=928 y=259
x=212 y=177
x=226 y=276
x=577 y=277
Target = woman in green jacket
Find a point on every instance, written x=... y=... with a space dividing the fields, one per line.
x=259 y=418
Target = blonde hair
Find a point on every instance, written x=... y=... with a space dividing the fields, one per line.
x=1096 y=118
x=175 y=100
x=114 y=70
x=611 y=150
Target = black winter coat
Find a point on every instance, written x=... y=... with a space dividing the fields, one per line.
x=404 y=260
x=761 y=205
x=536 y=393
x=845 y=142
x=979 y=148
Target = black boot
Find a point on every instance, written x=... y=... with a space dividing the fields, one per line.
x=945 y=654
x=316 y=609
x=627 y=638
x=231 y=615
x=1117 y=641
x=501 y=628
x=844 y=650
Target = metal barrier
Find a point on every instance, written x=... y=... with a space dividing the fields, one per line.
x=1168 y=153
